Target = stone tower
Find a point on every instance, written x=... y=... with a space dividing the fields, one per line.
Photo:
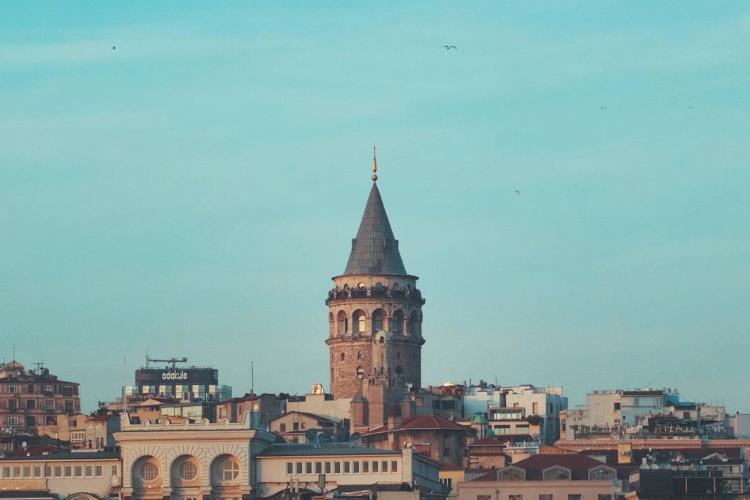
x=375 y=318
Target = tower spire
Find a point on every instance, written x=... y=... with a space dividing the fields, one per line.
x=374 y=165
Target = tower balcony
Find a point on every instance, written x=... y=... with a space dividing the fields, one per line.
x=375 y=292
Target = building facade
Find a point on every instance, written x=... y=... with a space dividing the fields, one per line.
x=189 y=460
x=30 y=398
x=375 y=317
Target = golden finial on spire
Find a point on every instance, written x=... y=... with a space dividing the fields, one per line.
x=374 y=165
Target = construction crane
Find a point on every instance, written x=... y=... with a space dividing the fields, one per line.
x=172 y=361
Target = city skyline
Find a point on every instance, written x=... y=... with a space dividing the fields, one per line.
x=575 y=219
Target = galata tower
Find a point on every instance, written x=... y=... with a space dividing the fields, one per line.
x=374 y=315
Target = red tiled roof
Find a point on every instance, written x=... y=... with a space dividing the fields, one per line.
x=423 y=422
x=535 y=465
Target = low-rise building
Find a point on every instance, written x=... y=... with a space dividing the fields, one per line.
x=335 y=468
x=318 y=402
x=438 y=438
x=302 y=427
x=84 y=431
x=74 y=475
x=189 y=460
x=265 y=407
x=546 y=477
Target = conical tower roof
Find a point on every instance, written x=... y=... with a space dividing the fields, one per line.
x=375 y=249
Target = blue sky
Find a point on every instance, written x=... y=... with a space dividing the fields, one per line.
x=192 y=192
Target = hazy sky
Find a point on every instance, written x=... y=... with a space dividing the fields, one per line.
x=192 y=192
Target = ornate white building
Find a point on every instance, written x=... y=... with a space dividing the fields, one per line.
x=189 y=461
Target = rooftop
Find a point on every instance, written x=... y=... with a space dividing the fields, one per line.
x=329 y=449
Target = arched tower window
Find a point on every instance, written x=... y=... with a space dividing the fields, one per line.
x=343 y=356
x=397 y=322
x=413 y=323
x=331 y=325
x=360 y=372
x=359 y=321
x=342 y=325
x=378 y=316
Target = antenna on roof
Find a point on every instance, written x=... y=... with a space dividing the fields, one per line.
x=252 y=377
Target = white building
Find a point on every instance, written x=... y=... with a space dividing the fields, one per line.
x=319 y=470
x=71 y=475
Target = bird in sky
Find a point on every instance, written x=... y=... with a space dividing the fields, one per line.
x=602 y=107
x=449 y=47
x=114 y=47
x=518 y=192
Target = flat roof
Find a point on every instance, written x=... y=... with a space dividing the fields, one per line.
x=67 y=455
x=332 y=449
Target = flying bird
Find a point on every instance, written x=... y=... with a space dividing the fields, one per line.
x=114 y=47
x=449 y=47
x=518 y=192
x=602 y=107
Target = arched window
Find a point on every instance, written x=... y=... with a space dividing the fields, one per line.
x=555 y=473
x=342 y=325
x=359 y=320
x=359 y=355
x=378 y=317
x=601 y=473
x=397 y=322
x=225 y=469
x=331 y=325
x=414 y=323
x=343 y=356
x=360 y=372
x=149 y=471
x=512 y=474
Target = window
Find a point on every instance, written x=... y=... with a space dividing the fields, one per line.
x=546 y=496
x=359 y=320
x=308 y=467
x=360 y=373
x=574 y=496
x=355 y=467
x=27 y=472
x=337 y=467
x=30 y=404
x=377 y=320
x=67 y=391
x=149 y=471
x=98 y=471
x=535 y=408
x=114 y=470
x=601 y=473
x=58 y=471
x=384 y=466
x=77 y=471
x=397 y=321
x=68 y=406
x=342 y=323
x=68 y=471
x=556 y=473
x=328 y=467
x=298 y=467
x=188 y=470
x=6 y=472
x=37 y=472
x=484 y=497
x=47 y=471
x=617 y=406
x=230 y=470
x=604 y=497
x=394 y=466
x=289 y=468
x=515 y=497
x=365 y=466
x=347 y=469
x=512 y=474
x=282 y=427
x=49 y=404
x=447 y=482
x=374 y=465
x=318 y=467
x=636 y=402
x=446 y=453
x=12 y=405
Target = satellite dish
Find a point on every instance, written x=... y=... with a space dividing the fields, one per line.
x=24 y=444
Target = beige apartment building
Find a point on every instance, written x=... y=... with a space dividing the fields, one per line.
x=30 y=398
